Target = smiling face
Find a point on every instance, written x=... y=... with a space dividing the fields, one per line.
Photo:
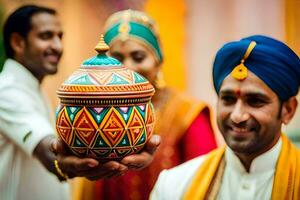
x=135 y=56
x=42 y=48
x=249 y=115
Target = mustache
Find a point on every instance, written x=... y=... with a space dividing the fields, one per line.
x=250 y=124
x=53 y=52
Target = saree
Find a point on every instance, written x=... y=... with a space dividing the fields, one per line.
x=186 y=131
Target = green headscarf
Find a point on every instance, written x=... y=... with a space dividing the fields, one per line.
x=134 y=25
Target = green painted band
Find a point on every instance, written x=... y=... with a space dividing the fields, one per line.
x=138 y=31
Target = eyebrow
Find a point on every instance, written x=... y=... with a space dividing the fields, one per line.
x=228 y=92
x=247 y=94
x=49 y=31
x=138 y=51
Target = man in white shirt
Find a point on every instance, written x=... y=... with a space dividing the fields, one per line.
x=29 y=168
x=256 y=79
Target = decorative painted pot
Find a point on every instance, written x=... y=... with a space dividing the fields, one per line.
x=105 y=109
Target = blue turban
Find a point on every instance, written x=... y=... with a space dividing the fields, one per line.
x=270 y=60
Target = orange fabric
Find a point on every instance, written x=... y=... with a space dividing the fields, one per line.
x=82 y=189
x=292 y=24
x=172 y=36
x=287 y=176
x=204 y=176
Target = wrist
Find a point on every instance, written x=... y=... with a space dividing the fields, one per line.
x=44 y=154
x=59 y=173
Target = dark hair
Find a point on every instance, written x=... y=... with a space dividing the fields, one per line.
x=20 y=22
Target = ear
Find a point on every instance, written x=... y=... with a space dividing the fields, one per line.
x=288 y=109
x=17 y=43
x=158 y=64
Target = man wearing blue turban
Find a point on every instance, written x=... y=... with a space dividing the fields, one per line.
x=256 y=79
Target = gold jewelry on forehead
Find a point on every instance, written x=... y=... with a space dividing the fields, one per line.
x=124 y=27
x=127 y=16
x=240 y=72
x=130 y=24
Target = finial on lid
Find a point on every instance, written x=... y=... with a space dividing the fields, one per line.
x=102 y=47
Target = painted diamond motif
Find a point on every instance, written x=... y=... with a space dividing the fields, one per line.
x=64 y=127
x=135 y=126
x=149 y=115
x=85 y=127
x=112 y=127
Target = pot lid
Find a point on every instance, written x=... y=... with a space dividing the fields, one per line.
x=103 y=77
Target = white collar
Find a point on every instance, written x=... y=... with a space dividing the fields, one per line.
x=264 y=162
x=22 y=74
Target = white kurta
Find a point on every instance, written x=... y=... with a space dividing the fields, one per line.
x=24 y=121
x=236 y=182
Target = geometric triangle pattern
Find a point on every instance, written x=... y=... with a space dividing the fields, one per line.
x=117 y=80
x=83 y=79
x=63 y=126
x=108 y=77
x=105 y=133
x=72 y=110
x=136 y=126
x=138 y=78
x=98 y=113
x=125 y=111
x=149 y=119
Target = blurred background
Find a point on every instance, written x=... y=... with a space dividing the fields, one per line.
x=191 y=33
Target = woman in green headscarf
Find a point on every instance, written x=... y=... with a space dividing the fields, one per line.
x=183 y=123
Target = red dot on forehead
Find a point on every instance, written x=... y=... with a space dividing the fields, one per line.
x=238 y=92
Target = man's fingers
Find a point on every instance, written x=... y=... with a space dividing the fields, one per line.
x=58 y=146
x=138 y=161
x=61 y=146
x=153 y=144
x=92 y=169
x=73 y=164
x=143 y=159
x=107 y=170
x=53 y=146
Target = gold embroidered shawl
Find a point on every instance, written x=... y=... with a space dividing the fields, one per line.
x=286 y=183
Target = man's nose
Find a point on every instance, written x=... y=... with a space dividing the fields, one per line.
x=239 y=113
x=57 y=44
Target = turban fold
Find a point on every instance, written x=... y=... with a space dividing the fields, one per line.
x=135 y=25
x=270 y=60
